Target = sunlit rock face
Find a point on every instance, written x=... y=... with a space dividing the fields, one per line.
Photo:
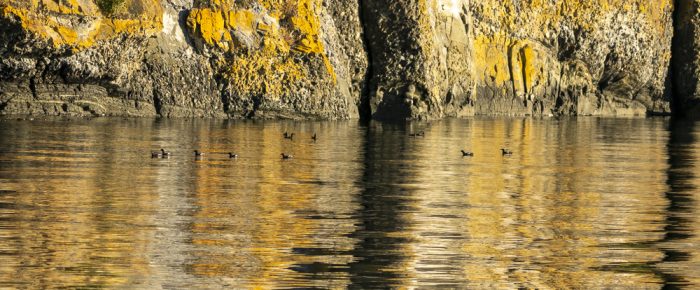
x=462 y=57
x=296 y=58
x=330 y=59
x=237 y=59
x=73 y=57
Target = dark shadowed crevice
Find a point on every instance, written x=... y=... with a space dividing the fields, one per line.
x=391 y=33
x=523 y=71
x=225 y=94
x=684 y=81
x=668 y=93
x=364 y=106
x=675 y=19
x=32 y=87
x=257 y=102
x=182 y=22
x=157 y=104
x=511 y=69
x=225 y=102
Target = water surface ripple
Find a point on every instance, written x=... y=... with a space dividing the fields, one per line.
x=582 y=203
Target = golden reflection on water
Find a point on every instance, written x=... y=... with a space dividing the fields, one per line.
x=583 y=203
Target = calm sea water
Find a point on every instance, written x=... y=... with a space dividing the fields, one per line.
x=582 y=203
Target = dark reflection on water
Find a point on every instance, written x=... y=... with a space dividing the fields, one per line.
x=682 y=213
x=583 y=203
x=381 y=248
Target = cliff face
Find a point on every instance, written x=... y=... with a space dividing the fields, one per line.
x=221 y=58
x=70 y=59
x=391 y=59
x=283 y=58
x=595 y=57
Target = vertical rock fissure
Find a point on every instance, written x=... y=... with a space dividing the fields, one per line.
x=224 y=93
x=558 y=97
x=157 y=104
x=32 y=87
x=365 y=109
x=511 y=70
x=684 y=82
x=523 y=71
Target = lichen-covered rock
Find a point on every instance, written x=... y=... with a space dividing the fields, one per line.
x=686 y=58
x=282 y=58
x=77 y=23
x=389 y=59
x=71 y=57
x=263 y=59
x=439 y=58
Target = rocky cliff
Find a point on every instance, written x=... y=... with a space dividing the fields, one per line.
x=221 y=58
x=466 y=57
x=389 y=59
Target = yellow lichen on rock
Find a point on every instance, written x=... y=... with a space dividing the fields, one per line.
x=60 y=32
x=514 y=16
x=491 y=62
x=306 y=21
x=260 y=44
x=529 y=59
x=243 y=20
x=499 y=59
x=504 y=62
x=274 y=69
x=263 y=73
x=210 y=25
x=63 y=7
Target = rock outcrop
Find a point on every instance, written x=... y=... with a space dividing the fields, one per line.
x=388 y=59
x=461 y=57
x=179 y=58
x=301 y=58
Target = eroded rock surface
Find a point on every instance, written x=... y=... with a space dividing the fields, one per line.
x=178 y=58
x=329 y=59
x=462 y=57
